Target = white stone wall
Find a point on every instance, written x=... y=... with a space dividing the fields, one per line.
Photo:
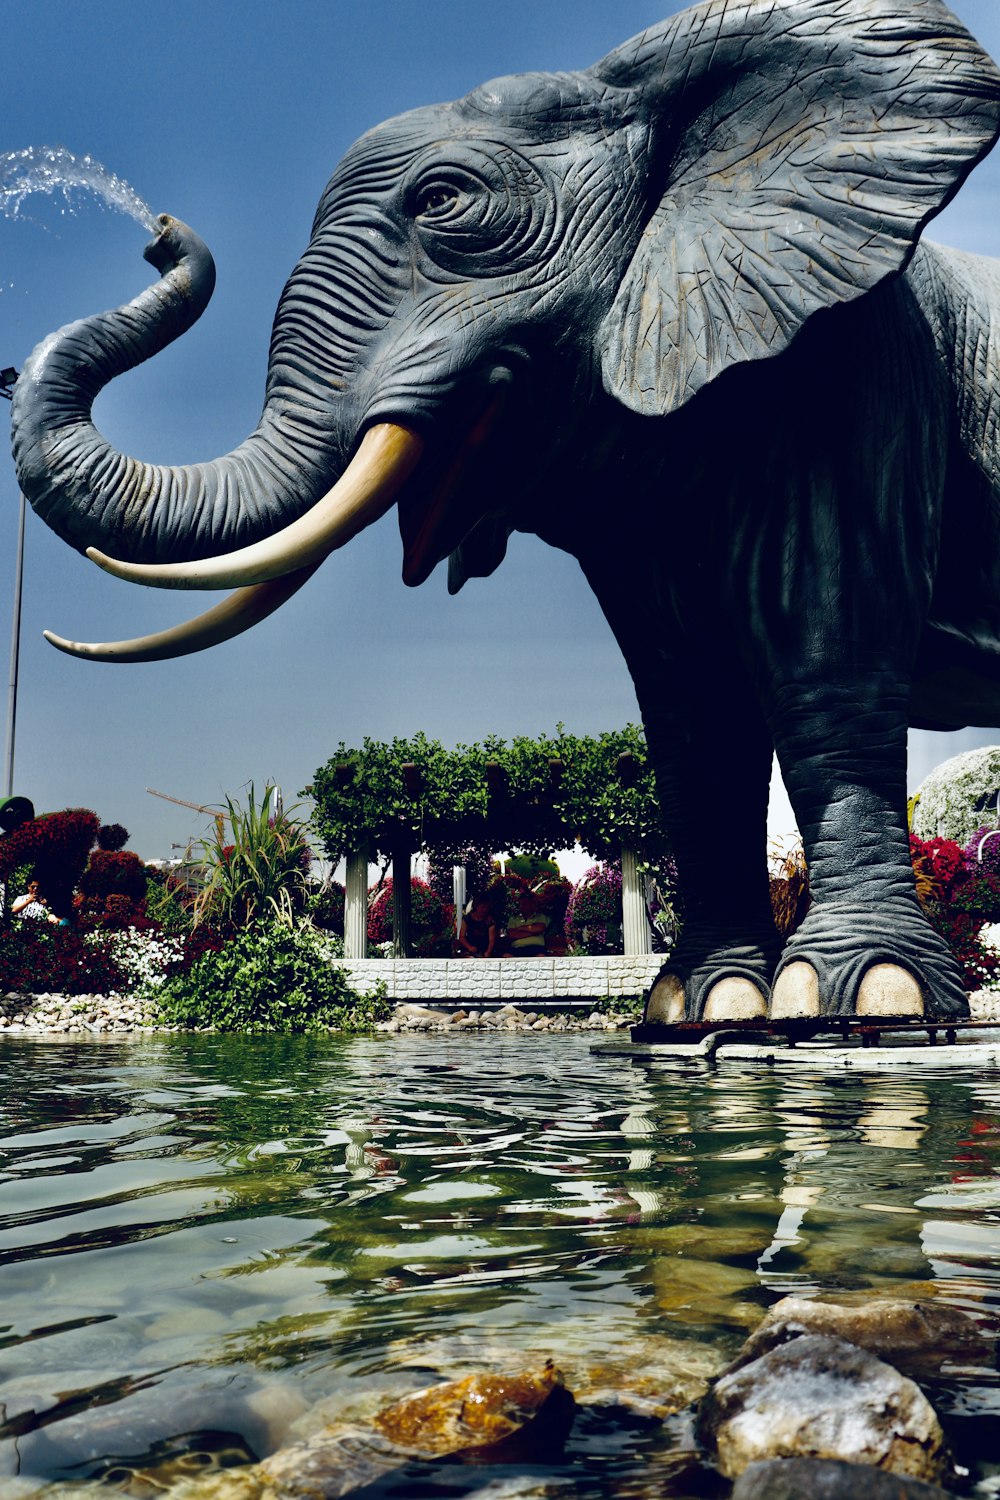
x=496 y=980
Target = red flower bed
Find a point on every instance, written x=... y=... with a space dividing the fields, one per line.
x=432 y=921
x=957 y=892
x=38 y=957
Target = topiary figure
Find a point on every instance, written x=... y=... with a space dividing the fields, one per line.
x=112 y=890
x=959 y=796
x=55 y=847
x=112 y=836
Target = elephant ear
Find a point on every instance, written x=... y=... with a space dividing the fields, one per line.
x=800 y=146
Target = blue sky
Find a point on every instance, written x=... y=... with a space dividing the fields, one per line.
x=232 y=116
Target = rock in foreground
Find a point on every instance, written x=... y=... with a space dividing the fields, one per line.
x=828 y=1479
x=820 y=1397
x=916 y=1336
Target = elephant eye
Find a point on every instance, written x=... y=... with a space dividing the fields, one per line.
x=435 y=200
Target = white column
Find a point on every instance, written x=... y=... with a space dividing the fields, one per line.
x=635 y=926
x=356 y=905
x=458 y=894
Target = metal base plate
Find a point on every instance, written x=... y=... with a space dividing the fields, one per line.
x=870 y=1029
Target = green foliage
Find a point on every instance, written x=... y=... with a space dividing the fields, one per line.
x=326 y=907
x=557 y=788
x=269 y=977
x=532 y=867
x=262 y=873
x=621 y=1005
x=168 y=902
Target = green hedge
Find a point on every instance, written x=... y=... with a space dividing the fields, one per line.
x=552 y=791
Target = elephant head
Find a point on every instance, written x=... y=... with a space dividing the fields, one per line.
x=483 y=273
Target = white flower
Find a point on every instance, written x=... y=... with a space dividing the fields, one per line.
x=142 y=957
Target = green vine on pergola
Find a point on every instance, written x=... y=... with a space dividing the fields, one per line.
x=530 y=795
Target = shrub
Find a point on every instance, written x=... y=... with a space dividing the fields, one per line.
x=262 y=874
x=979 y=893
x=432 y=921
x=478 y=871
x=326 y=907
x=789 y=888
x=269 y=977
x=594 y=915
x=144 y=959
x=955 y=893
x=532 y=868
x=168 y=901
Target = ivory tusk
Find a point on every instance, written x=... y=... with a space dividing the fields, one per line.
x=227 y=619
x=368 y=486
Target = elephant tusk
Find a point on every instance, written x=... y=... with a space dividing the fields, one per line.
x=368 y=486
x=227 y=619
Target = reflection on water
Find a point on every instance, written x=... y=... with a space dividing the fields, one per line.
x=208 y=1236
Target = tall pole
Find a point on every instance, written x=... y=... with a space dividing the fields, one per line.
x=15 y=651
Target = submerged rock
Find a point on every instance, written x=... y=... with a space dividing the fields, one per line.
x=642 y=1372
x=828 y=1479
x=917 y=1337
x=707 y=1293
x=485 y=1418
x=821 y=1397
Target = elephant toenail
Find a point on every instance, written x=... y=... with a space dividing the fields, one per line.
x=888 y=990
x=734 y=999
x=666 y=1001
x=796 y=993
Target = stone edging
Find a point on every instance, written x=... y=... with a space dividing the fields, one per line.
x=485 y=980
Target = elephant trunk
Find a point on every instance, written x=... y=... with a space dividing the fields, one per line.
x=94 y=496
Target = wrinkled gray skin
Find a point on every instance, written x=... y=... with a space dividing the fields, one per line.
x=722 y=372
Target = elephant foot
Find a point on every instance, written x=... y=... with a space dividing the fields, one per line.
x=864 y=961
x=718 y=982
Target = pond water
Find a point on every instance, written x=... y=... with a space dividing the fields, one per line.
x=202 y=1238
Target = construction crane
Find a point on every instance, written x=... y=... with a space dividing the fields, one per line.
x=210 y=812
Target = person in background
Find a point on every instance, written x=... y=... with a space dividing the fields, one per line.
x=477 y=936
x=526 y=932
x=34 y=906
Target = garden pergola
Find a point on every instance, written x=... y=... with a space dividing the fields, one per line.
x=392 y=800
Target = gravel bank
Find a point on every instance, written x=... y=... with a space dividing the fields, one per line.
x=100 y=1015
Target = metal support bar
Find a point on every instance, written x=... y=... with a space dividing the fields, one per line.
x=15 y=653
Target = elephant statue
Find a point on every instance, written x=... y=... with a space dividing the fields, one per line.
x=674 y=314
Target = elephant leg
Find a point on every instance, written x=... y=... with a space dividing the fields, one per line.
x=865 y=947
x=711 y=754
